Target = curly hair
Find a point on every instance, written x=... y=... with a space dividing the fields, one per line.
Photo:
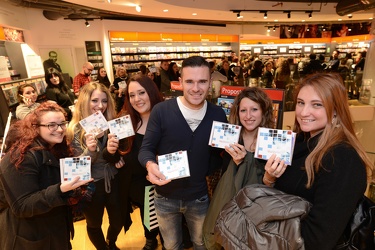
x=23 y=134
x=256 y=95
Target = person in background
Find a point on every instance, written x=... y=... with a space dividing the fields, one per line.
x=103 y=77
x=173 y=72
x=118 y=87
x=282 y=74
x=190 y=117
x=329 y=167
x=216 y=75
x=58 y=91
x=333 y=64
x=313 y=65
x=267 y=76
x=252 y=108
x=165 y=83
x=140 y=97
x=27 y=97
x=51 y=62
x=102 y=148
x=34 y=203
x=226 y=71
x=361 y=61
x=143 y=70
x=82 y=78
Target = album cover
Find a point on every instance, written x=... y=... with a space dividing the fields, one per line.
x=75 y=166
x=122 y=127
x=275 y=141
x=174 y=165
x=223 y=134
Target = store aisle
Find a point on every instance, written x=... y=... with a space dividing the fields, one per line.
x=133 y=240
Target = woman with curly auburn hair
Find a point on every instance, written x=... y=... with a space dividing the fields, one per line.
x=34 y=211
x=330 y=167
x=102 y=147
x=251 y=109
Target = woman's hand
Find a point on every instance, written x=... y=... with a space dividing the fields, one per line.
x=112 y=143
x=73 y=184
x=120 y=163
x=237 y=152
x=91 y=142
x=275 y=167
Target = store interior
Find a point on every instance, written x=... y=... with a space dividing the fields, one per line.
x=110 y=33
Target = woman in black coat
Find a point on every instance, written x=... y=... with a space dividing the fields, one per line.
x=34 y=211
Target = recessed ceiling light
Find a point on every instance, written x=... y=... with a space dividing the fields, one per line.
x=194 y=14
x=370 y=18
x=165 y=10
x=303 y=20
x=339 y=19
x=138 y=8
x=275 y=20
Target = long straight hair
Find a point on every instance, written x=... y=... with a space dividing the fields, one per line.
x=332 y=92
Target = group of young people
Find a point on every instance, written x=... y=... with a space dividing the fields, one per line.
x=330 y=167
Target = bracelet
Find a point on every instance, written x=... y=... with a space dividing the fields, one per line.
x=267 y=180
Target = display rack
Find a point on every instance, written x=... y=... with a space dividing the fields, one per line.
x=10 y=89
x=352 y=47
x=94 y=56
x=282 y=50
x=131 y=55
x=131 y=49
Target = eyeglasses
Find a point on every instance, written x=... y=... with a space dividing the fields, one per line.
x=53 y=126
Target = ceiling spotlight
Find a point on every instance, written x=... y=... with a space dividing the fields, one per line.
x=265 y=15
x=239 y=15
x=350 y=15
x=87 y=24
x=308 y=29
x=310 y=14
x=274 y=29
x=109 y=1
x=288 y=15
x=138 y=8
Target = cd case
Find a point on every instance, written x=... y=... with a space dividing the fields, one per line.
x=223 y=134
x=122 y=127
x=174 y=165
x=75 y=166
x=275 y=141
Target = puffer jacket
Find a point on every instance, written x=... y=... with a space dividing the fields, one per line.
x=261 y=217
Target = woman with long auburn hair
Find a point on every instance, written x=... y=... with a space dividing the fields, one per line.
x=330 y=167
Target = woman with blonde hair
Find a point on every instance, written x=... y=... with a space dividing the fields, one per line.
x=102 y=148
x=330 y=167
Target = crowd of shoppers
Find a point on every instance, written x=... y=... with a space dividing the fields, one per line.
x=329 y=169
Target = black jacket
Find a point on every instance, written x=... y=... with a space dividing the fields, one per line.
x=33 y=212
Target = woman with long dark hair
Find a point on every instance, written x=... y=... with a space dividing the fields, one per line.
x=58 y=91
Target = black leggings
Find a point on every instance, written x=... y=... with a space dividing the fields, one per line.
x=94 y=211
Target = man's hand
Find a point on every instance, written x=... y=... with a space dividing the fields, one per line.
x=154 y=175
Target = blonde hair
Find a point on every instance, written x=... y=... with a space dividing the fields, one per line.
x=332 y=92
x=82 y=110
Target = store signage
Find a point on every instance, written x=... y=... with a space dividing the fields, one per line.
x=230 y=90
x=175 y=85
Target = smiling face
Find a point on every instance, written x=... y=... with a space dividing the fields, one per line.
x=250 y=114
x=139 y=98
x=98 y=101
x=30 y=93
x=195 y=83
x=310 y=112
x=52 y=137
